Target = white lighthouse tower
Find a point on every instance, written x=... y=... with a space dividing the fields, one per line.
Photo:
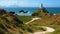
x=41 y=7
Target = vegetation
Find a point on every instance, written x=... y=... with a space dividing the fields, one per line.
x=25 y=18
x=15 y=24
x=41 y=12
x=47 y=19
x=52 y=21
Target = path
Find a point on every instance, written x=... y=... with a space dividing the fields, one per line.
x=48 y=30
x=33 y=19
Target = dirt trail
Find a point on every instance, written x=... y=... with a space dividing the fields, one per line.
x=33 y=19
x=48 y=30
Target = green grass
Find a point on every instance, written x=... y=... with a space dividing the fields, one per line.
x=23 y=28
x=6 y=23
x=44 y=22
x=25 y=18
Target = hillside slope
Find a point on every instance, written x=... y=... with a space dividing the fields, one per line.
x=42 y=12
x=9 y=23
x=13 y=24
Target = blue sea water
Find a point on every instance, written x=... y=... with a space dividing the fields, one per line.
x=54 y=10
x=16 y=10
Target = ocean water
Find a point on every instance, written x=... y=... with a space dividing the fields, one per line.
x=54 y=10
x=16 y=10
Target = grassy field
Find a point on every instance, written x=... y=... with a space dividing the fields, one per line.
x=51 y=21
x=15 y=24
x=25 y=18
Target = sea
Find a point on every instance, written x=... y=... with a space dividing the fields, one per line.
x=54 y=10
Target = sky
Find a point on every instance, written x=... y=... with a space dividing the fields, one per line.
x=29 y=3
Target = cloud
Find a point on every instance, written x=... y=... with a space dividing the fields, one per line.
x=20 y=3
x=7 y=3
x=28 y=3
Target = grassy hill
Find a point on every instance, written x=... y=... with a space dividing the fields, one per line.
x=50 y=21
x=41 y=12
x=9 y=23
x=47 y=19
x=14 y=24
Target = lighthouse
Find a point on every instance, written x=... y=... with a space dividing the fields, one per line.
x=41 y=7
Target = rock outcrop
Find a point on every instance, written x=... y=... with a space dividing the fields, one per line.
x=41 y=12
